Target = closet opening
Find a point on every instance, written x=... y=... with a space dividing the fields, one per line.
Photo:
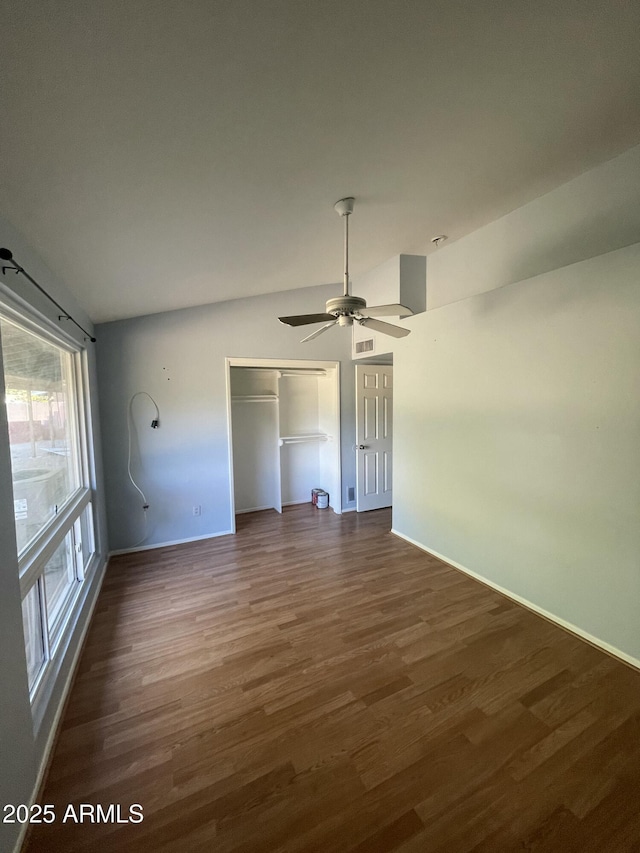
x=284 y=433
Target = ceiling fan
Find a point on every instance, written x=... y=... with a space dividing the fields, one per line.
x=346 y=310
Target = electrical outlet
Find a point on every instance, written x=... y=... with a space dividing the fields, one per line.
x=197 y=510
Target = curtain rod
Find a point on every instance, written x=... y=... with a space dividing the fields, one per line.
x=7 y=255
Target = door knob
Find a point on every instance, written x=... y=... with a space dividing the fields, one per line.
x=361 y=447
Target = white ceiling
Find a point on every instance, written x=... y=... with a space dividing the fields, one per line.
x=166 y=153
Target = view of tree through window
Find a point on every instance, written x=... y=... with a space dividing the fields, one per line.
x=42 y=428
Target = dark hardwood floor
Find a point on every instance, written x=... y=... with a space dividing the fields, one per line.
x=316 y=684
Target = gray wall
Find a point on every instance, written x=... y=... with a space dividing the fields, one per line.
x=523 y=401
x=179 y=358
x=24 y=743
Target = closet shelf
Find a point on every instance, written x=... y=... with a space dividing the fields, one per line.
x=299 y=439
x=255 y=398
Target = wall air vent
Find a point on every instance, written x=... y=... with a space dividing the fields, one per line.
x=364 y=346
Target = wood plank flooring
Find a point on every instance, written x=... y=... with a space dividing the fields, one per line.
x=316 y=684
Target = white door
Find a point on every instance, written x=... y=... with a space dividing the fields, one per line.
x=374 y=430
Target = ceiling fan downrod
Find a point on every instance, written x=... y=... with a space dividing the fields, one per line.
x=344 y=208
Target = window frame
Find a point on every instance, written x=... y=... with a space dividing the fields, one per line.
x=32 y=560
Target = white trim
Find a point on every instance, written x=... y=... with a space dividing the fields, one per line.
x=307 y=501
x=352 y=509
x=338 y=446
x=81 y=387
x=379 y=500
x=231 y=481
x=56 y=652
x=33 y=558
x=21 y=311
x=282 y=364
x=284 y=503
x=557 y=620
x=171 y=542
x=53 y=731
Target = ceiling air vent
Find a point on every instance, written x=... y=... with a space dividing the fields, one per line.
x=364 y=346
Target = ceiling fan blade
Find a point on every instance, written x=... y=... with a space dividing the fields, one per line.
x=305 y=319
x=385 y=328
x=395 y=310
x=318 y=331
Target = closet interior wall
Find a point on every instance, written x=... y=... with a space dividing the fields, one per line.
x=284 y=436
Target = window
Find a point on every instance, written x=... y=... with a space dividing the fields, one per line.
x=33 y=637
x=52 y=501
x=59 y=582
x=39 y=386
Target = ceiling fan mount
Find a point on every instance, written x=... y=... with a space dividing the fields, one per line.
x=344 y=207
x=346 y=309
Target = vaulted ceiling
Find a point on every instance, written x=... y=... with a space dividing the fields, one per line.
x=162 y=153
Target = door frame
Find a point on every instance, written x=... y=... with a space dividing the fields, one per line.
x=361 y=366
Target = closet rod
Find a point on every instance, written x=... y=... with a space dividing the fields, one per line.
x=255 y=398
x=302 y=371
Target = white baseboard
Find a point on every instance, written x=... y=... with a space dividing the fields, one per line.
x=171 y=542
x=284 y=503
x=568 y=626
x=336 y=510
x=349 y=509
